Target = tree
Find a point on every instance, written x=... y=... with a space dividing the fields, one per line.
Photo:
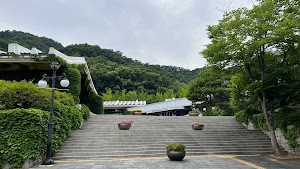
x=211 y=87
x=255 y=40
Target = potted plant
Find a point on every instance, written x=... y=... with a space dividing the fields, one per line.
x=124 y=124
x=175 y=151
x=193 y=113
x=137 y=112
x=197 y=125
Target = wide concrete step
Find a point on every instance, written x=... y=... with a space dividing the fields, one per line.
x=187 y=143
x=159 y=148
x=100 y=137
x=154 y=154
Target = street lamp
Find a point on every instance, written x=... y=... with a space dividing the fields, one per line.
x=42 y=84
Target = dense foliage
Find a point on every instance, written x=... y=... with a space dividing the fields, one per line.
x=26 y=95
x=109 y=69
x=112 y=70
x=262 y=46
x=175 y=147
x=27 y=40
x=133 y=95
x=211 y=87
x=23 y=135
x=89 y=98
x=86 y=112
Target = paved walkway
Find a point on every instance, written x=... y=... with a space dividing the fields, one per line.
x=189 y=162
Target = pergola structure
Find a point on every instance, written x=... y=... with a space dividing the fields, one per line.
x=18 y=57
x=118 y=106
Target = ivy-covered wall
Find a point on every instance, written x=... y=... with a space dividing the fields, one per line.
x=89 y=98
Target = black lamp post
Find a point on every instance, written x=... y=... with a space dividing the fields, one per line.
x=43 y=83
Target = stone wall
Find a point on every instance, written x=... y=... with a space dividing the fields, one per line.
x=280 y=138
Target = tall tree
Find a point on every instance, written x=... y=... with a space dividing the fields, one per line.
x=254 y=40
x=211 y=87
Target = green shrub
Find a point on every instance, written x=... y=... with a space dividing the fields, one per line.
x=225 y=109
x=95 y=103
x=26 y=95
x=23 y=135
x=291 y=136
x=259 y=122
x=242 y=116
x=175 y=147
x=86 y=112
x=284 y=118
x=66 y=118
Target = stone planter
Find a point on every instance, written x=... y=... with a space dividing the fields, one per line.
x=136 y=113
x=125 y=126
x=193 y=114
x=176 y=155
x=197 y=127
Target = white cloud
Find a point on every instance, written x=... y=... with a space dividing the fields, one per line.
x=169 y=32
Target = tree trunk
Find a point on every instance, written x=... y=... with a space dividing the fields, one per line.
x=270 y=123
x=268 y=116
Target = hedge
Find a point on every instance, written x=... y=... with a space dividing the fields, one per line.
x=86 y=112
x=22 y=97
x=66 y=118
x=26 y=95
x=23 y=135
x=24 y=132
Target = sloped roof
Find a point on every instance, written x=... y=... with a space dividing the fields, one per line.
x=169 y=104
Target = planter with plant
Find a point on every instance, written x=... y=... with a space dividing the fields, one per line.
x=197 y=125
x=193 y=113
x=124 y=124
x=175 y=151
x=137 y=112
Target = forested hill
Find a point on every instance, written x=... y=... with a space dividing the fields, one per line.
x=110 y=69
x=114 y=70
x=27 y=40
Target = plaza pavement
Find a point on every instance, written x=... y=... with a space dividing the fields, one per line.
x=189 y=162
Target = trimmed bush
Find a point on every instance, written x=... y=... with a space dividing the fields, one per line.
x=23 y=135
x=26 y=95
x=21 y=126
x=66 y=118
x=242 y=116
x=86 y=112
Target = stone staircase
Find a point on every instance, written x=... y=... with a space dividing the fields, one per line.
x=100 y=137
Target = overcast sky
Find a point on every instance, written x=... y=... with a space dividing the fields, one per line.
x=165 y=32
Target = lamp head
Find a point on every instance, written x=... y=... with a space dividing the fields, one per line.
x=64 y=82
x=42 y=83
x=54 y=65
